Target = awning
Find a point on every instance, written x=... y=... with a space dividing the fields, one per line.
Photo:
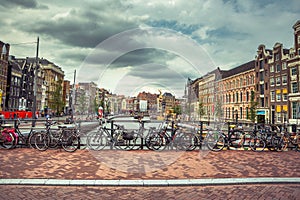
x=260 y=112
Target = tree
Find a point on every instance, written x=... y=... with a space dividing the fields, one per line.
x=58 y=103
x=82 y=104
x=201 y=110
x=253 y=106
x=177 y=110
x=218 y=110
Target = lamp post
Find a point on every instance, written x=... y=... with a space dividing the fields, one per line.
x=35 y=83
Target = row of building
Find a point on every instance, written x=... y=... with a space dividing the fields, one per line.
x=264 y=90
x=28 y=83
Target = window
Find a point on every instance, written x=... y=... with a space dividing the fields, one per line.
x=285 y=97
x=261 y=76
x=278 y=97
x=294 y=110
x=294 y=71
x=278 y=67
x=278 y=81
x=284 y=79
x=272 y=68
x=262 y=102
x=272 y=82
x=262 y=91
x=261 y=64
x=283 y=65
x=294 y=87
x=272 y=95
x=276 y=56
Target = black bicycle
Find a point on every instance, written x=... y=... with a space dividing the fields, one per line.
x=216 y=140
x=66 y=136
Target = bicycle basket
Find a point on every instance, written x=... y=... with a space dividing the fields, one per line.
x=128 y=135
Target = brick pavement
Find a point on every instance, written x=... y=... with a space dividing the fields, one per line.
x=84 y=164
x=193 y=192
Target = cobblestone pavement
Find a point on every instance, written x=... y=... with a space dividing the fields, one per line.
x=131 y=165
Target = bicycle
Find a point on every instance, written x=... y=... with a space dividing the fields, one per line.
x=287 y=139
x=112 y=137
x=66 y=136
x=19 y=138
x=6 y=138
x=174 y=137
x=216 y=140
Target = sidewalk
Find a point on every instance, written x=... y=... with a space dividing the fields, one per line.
x=55 y=174
x=24 y=163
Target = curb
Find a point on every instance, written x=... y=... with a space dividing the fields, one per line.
x=153 y=183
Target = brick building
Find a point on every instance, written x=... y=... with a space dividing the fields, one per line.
x=4 y=50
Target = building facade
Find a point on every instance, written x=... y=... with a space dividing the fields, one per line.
x=293 y=65
x=14 y=89
x=4 y=50
x=53 y=77
x=237 y=85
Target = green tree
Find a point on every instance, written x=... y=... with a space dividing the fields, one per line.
x=253 y=106
x=177 y=110
x=218 y=109
x=58 y=103
x=201 y=110
x=82 y=104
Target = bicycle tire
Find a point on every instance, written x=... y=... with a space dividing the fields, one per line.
x=41 y=141
x=54 y=136
x=280 y=144
x=8 y=141
x=184 y=141
x=31 y=140
x=97 y=141
x=71 y=143
x=154 y=141
x=215 y=141
x=257 y=144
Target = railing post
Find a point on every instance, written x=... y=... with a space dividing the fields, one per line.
x=111 y=132
x=142 y=135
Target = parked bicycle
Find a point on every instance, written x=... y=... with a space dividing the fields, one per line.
x=216 y=140
x=66 y=136
x=287 y=140
x=170 y=136
x=6 y=138
x=113 y=136
x=19 y=137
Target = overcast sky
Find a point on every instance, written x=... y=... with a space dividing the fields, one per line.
x=128 y=46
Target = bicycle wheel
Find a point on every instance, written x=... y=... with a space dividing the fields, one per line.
x=184 y=141
x=31 y=140
x=54 y=136
x=71 y=143
x=256 y=143
x=215 y=141
x=41 y=141
x=280 y=143
x=237 y=139
x=97 y=141
x=8 y=140
x=154 y=141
